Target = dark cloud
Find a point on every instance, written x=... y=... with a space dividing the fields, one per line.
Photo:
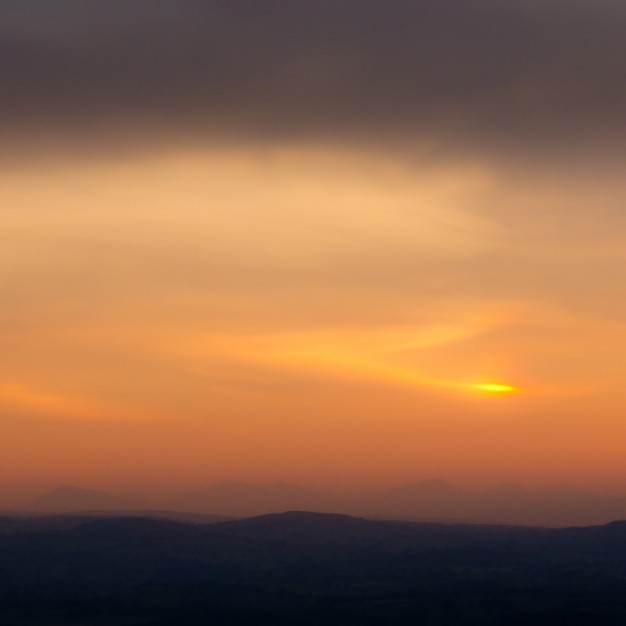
x=515 y=75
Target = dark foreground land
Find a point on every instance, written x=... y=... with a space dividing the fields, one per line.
x=305 y=568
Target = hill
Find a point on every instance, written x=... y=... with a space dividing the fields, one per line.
x=309 y=568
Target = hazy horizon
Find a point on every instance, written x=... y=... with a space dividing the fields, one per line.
x=16 y=495
x=432 y=500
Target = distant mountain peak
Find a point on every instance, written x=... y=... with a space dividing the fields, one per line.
x=509 y=488
x=73 y=489
x=68 y=498
x=436 y=483
x=565 y=491
x=239 y=499
x=431 y=486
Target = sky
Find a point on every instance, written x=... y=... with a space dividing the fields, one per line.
x=344 y=243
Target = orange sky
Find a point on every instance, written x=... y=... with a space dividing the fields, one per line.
x=307 y=312
x=347 y=247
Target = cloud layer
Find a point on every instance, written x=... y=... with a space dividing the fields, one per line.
x=513 y=77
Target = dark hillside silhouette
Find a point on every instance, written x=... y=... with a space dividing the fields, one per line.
x=308 y=568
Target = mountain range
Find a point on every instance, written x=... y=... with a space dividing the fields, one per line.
x=432 y=500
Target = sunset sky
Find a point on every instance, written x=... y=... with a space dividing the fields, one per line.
x=344 y=243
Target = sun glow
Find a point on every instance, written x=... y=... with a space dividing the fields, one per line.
x=495 y=388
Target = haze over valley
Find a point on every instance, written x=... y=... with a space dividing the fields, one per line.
x=433 y=500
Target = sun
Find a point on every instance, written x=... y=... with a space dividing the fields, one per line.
x=495 y=388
